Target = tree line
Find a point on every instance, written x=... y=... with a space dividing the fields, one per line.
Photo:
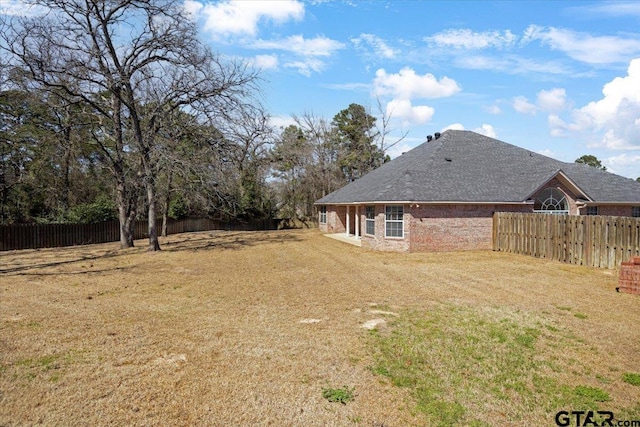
x=116 y=109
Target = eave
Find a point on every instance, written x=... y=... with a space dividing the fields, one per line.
x=418 y=202
x=564 y=179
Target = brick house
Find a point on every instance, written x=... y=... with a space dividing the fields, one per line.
x=442 y=194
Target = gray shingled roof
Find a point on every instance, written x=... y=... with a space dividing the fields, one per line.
x=464 y=166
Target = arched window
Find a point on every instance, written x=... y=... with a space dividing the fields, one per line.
x=551 y=200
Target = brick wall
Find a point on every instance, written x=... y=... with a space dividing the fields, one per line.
x=336 y=216
x=629 y=280
x=610 y=210
x=455 y=227
x=430 y=227
x=378 y=241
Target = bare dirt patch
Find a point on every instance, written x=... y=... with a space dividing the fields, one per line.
x=248 y=328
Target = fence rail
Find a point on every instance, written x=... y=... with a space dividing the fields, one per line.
x=33 y=236
x=595 y=241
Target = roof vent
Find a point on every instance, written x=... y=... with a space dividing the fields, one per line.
x=429 y=138
x=448 y=159
x=437 y=135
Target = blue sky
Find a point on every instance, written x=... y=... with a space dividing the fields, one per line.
x=559 y=78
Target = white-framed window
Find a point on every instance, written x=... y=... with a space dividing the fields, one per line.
x=370 y=220
x=552 y=201
x=393 y=221
x=635 y=211
x=323 y=214
x=592 y=210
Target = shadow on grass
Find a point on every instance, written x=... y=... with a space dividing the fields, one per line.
x=46 y=264
x=230 y=240
x=24 y=262
x=64 y=273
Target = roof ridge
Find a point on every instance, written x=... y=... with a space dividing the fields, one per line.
x=466 y=166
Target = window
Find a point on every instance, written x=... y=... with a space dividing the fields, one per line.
x=635 y=211
x=551 y=200
x=323 y=214
x=370 y=215
x=592 y=210
x=393 y=223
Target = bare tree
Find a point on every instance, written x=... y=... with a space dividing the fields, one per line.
x=384 y=128
x=324 y=175
x=134 y=62
x=250 y=138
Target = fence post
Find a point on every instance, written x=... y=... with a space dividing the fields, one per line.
x=596 y=241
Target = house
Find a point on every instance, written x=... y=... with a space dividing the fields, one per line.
x=442 y=194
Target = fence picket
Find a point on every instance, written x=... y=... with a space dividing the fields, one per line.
x=595 y=241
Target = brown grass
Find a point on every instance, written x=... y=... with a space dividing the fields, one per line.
x=209 y=331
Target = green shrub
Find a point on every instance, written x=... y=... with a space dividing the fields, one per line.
x=102 y=209
x=178 y=208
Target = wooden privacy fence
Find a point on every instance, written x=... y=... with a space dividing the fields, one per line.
x=595 y=241
x=33 y=236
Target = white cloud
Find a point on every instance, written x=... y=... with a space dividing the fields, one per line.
x=522 y=105
x=615 y=117
x=493 y=109
x=511 y=64
x=20 y=8
x=306 y=51
x=486 y=130
x=405 y=86
x=192 y=8
x=624 y=164
x=468 y=39
x=380 y=47
x=306 y=67
x=409 y=114
x=399 y=149
x=552 y=100
x=408 y=85
x=242 y=17
x=548 y=153
x=557 y=126
x=613 y=8
x=281 y=121
x=584 y=47
x=318 y=46
x=355 y=87
x=620 y=93
x=265 y=62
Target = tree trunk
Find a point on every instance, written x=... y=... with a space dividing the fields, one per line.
x=130 y=226
x=149 y=183
x=67 y=182
x=154 y=244
x=165 y=218
x=124 y=216
x=165 y=210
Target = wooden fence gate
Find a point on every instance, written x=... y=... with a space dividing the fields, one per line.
x=595 y=241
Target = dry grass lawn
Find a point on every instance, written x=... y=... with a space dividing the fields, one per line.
x=247 y=328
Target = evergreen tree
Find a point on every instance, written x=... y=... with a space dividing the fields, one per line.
x=591 y=160
x=355 y=131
